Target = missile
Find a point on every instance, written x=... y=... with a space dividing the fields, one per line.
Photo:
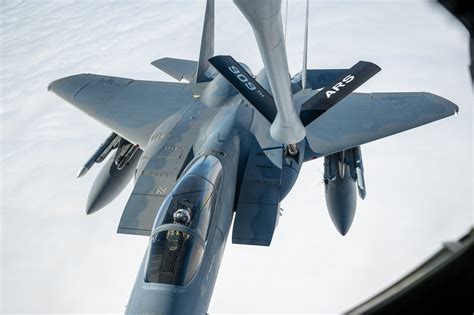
x=330 y=167
x=108 y=149
x=127 y=157
x=359 y=167
x=361 y=183
x=265 y=19
x=125 y=153
x=101 y=153
x=354 y=159
x=85 y=168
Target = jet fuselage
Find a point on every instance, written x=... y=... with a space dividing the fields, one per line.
x=179 y=270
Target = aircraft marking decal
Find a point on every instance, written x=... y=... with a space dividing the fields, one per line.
x=339 y=84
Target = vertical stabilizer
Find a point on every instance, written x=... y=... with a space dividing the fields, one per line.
x=305 y=49
x=207 y=44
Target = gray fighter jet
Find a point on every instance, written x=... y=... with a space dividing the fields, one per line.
x=229 y=142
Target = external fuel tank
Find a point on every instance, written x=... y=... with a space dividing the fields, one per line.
x=341 y=200
x=110 y=182
x=343 y=178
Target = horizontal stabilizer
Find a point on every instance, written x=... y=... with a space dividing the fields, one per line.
x=364 y=117
x=243 y=81
x=343 y=85
x=177 y=68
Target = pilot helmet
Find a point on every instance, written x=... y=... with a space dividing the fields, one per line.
x=183 y=214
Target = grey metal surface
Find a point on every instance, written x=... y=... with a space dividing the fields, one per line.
x=222 y=143
x=132 y=108
x=368 y=117
x=259 y=200
x=166 y=155
x=341 y=200
x=109 y=183
x=207 y=45
x=265 y=19
x=177 y=68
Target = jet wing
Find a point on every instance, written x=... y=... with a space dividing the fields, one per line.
x=361 y=118
x=131 y=108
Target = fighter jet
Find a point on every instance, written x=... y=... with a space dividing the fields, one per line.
x=227 y=146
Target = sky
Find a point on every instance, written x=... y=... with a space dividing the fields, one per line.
x=54 y=258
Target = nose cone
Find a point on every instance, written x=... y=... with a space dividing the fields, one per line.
x=341 y=201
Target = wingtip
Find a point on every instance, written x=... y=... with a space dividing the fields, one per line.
x=456 y=110
x=444 y=102
x=67 y=87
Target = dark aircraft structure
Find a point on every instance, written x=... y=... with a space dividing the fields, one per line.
x=227 y=147
x=463 y=11
x=442 y=284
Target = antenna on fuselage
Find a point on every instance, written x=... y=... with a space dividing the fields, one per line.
x=305 y=49
x=286 y=17
x=207 y=44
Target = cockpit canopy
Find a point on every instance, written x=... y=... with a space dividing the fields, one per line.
x=188 y=205
x=174 y=257
x=182 y=224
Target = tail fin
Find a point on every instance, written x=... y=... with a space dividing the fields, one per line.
x=207 y=44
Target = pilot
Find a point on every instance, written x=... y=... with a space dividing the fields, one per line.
x=183 y=214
